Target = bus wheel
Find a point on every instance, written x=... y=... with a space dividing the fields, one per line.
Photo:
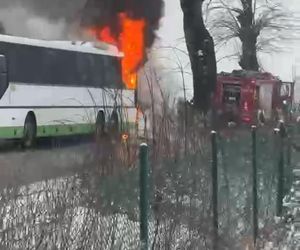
x=29 y=134
x=114 y=124
x=100 y=125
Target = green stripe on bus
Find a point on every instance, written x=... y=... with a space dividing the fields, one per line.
x=11 y=132
x=64 y=129
x=56 y=130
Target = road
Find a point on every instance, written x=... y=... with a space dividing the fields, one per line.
x=45 y=161
x=62 y=158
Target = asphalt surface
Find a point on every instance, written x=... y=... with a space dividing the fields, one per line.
x=62 y=157
x=48 y=159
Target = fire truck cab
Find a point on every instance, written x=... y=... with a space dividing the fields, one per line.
x=252 y=97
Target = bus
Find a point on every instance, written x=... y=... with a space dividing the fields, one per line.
x=60 y=88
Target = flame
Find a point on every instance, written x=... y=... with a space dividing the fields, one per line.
x=130 y=41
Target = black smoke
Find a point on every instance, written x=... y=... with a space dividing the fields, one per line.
x=48 y=9
x=42 y=19
x=86 y=12
x=102 y=13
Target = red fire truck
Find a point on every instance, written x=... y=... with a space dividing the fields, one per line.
x=251 y=97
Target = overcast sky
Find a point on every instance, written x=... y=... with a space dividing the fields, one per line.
x=280 y=64
x=19 y=20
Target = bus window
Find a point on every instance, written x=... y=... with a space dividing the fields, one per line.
x=3 y=75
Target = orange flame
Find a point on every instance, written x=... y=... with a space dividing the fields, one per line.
x=130 y=41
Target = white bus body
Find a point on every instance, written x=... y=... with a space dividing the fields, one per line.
x=61 y=103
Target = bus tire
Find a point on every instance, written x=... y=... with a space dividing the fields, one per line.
x=100 y=125
x=30 y=128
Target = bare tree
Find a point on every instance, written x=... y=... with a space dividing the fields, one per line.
x=201 y=51
x=259 y=25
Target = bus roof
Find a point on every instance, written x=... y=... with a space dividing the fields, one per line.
x=100 y=48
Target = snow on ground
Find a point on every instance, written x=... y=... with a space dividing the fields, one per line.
x=86 y=211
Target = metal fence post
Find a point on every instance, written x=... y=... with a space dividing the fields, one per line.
x=254 y=185
x=289 y=159
x=214 y=175
x=280 y=133
x=144 y=195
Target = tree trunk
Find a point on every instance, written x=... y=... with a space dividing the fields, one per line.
x=201 y=51
x=248 y=36
x=248 y=60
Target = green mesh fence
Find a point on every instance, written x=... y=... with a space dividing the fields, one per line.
x=184 y=216
x=72 y=213
x=182 y=204
x=236 y=182
x=94 y=211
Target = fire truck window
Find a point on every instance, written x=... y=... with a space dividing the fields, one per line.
x=256 y=93
x=285 y=90
x=231 y=94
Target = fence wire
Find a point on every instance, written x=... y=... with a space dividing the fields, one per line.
x=66 y=214
x=94 y=211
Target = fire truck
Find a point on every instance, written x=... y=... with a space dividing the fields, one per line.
x=250 y=97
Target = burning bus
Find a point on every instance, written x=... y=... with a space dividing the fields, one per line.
x=250 y=97
x=59 y=88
